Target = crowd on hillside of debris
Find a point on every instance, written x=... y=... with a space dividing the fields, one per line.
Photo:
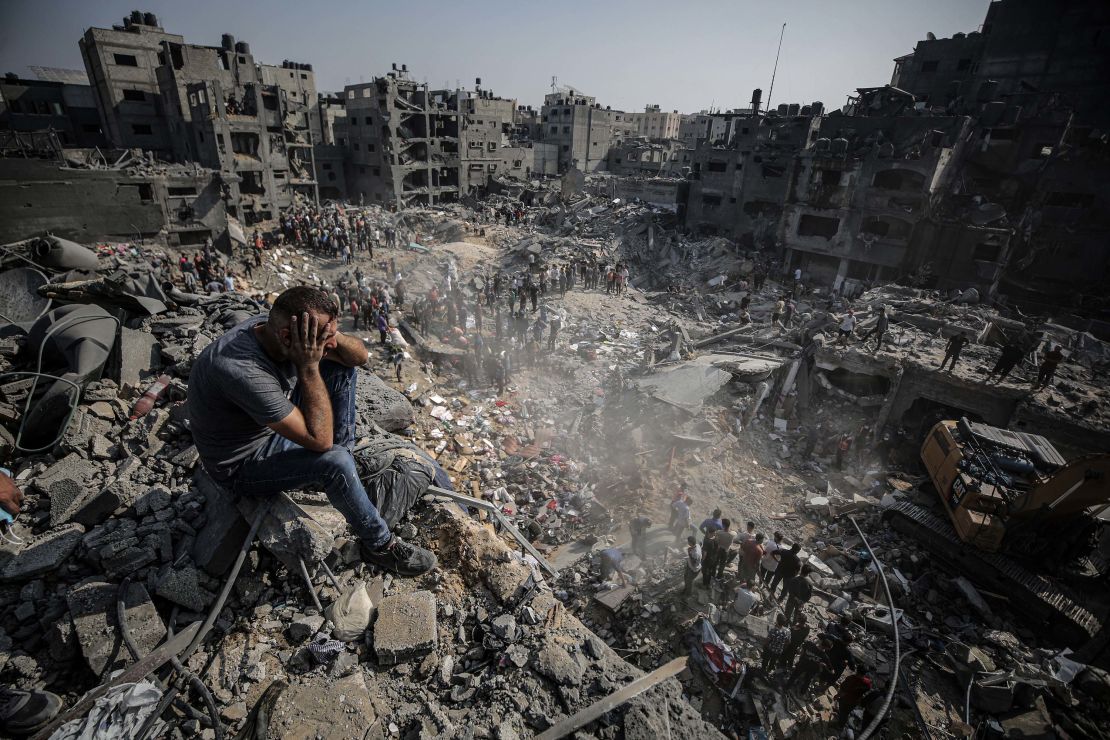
x=546 y=382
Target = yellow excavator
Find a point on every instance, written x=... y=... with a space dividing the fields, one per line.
x=1020 y=517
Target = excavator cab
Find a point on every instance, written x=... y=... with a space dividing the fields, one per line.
x=1013 y=491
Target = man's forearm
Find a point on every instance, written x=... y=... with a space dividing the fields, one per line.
x=316 y=406
x=349 y=351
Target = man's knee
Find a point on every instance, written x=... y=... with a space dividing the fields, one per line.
x=338 y=461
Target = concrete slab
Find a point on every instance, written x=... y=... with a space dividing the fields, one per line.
x=43 y=554
x=406 y=627
x=92 y=607
x=289 y=532
x=219 y=540
x=137 y=355
x=323 y=709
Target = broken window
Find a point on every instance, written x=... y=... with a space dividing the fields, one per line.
x=905 y=180
x=886 y=227
x=181 y=190
x=710 y=200
x=492 y=146
x=126 y=60
x=810 y=225
x=134 y=95
x=554 y=129
x=963 y=65
x=377 y=171
x=354 y=121
x=367 y=119
x=716 y=166
x=146 y=191
x=830 y=178
x=566 y=129
x=142 y=129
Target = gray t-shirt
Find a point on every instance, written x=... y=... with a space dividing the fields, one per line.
x=235 y=390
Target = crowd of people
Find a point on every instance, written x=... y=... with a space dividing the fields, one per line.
x=770 y=578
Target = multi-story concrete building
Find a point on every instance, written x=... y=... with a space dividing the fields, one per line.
x=412 y=145
x=658 y=124
x=858 y=195
x=122 y=63
x=66 y=108
x=222 y=113
x=645 y=158
x=739 y=176
x=583 y=130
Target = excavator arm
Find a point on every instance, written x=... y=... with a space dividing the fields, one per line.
x=1077 y=486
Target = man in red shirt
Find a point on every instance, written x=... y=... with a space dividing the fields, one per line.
x=751 y=553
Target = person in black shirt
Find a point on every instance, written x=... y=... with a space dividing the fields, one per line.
x=789 y=565
x=799 y=590
x=952 y=350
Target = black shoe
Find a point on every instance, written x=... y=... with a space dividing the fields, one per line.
x=24 y=712
x=400 y=557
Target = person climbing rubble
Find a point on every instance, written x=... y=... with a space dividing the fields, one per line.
x=952 y=350
x=612 y=563
x=693 y=565
x=1008 y=359
x=1047 y=371
x=637 y=530
x=272 y=408
x=777 y=638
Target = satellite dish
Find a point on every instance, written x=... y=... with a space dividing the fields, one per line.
x=930 y=36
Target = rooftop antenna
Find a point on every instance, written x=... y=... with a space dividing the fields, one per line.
x=776 y=69
x=554 y=79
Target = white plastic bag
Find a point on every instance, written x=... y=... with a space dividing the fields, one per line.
x=351 y=613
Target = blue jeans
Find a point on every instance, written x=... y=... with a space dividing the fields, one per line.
x=282 y=465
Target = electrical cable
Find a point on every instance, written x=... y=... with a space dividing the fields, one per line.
x=894 y=673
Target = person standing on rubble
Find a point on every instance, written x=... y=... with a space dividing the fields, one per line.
x=768 y=564
x=722 y=545
x=682 y=515
x=272 y=408
x=879 y=330
x=813 y=662
x=680 y=493
x=798 y=590
x=1047 y=370
x=847 y=327
x=693 y=565
x=799 y=631
x=751 y=552
x=776 y=314
x=556 y=327
x=1008 y=359
x=638 y=529
x=397 y=359
x=789 y=566
x=777 y=638
x=842 y=446
x=952 y=350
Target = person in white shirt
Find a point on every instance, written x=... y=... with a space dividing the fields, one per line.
x=768 y=564
x=229 y=284
x=847 y=326
x=745 y=600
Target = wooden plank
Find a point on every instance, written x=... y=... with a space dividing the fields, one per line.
x=631 y=691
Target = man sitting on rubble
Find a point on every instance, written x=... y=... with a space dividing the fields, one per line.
x=272 y=409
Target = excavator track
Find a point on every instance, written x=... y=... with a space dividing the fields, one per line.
x=1031 y=595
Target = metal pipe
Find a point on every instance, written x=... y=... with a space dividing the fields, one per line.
x=308 y=582
x=148 y=726
x=867 y=732
x=194 y=680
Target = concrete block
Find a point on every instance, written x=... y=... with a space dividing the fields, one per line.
x=331 y=710
x=387 y=407
x=84 y=430
x=406 y=627
x=92 y=607
x=218 y=542
x=289 y=532
x=181 y=586
x=556 y=663
x=43 y=554
x=64 y=482
x=137 y=356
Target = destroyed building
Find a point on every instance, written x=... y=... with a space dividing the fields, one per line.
x=61 y=101
x=583 y=131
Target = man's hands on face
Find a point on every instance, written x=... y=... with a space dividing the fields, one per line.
x=308 y=340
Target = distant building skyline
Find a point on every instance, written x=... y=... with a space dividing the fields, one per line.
x=627 y=55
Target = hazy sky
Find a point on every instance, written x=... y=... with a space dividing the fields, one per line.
x=681 y=55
